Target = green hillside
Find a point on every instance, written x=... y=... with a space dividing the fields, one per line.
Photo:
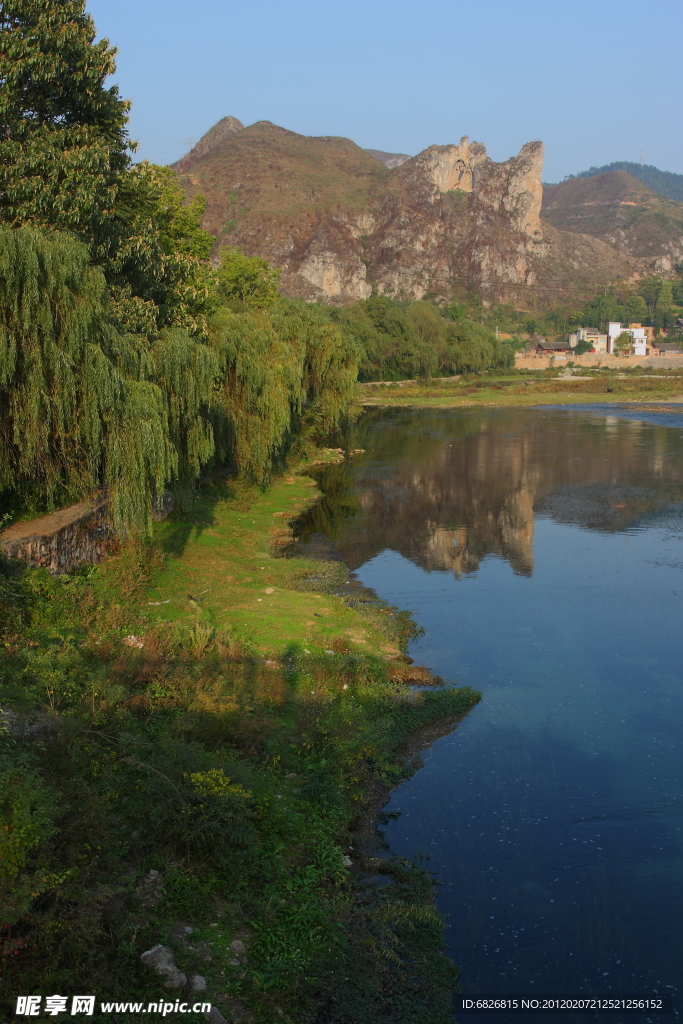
x=618 y=209
x=665 y=183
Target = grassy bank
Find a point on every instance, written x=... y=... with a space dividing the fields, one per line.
x=520 y=388
x=191 y=734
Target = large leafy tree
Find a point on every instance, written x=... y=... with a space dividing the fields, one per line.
x=65 y=163
x=63 y=139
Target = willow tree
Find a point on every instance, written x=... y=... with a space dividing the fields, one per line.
x=186 y=372
x=471 y=347
x=285 y=367
x=71 y=419
x=259 y=383
x=328 y=367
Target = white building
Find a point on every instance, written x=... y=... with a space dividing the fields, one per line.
x=638 y=337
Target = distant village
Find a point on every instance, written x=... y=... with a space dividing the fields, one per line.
x=620 y=339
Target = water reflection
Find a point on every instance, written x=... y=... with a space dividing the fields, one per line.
x=553 y=816
x=469 y=485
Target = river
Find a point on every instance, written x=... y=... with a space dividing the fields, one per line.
x=541 y=550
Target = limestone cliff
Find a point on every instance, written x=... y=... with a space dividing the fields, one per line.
x=339 y=222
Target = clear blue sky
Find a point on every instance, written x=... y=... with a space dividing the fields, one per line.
x=596 y=80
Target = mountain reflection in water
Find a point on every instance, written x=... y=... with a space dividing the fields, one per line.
x=470 y=485
x=553 y=814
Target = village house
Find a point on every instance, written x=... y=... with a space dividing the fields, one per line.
x=596 y=340
x=639 y=336
x=649 y=331
x=550 y=348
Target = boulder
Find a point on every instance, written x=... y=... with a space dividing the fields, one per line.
x=162 y=960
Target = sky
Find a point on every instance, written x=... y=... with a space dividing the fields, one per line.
x=595 y=80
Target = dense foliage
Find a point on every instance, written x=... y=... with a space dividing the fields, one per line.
x=63 y=139
x=403 y=340
x=666 y=183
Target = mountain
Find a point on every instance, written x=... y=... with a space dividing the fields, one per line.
x=388 y=159
x=221 y=131
x=338 y=222
x=664 y=183
x=620 y=210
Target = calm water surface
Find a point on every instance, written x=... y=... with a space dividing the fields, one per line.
x=542 y=552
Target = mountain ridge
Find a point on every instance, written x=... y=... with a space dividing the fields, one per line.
x=389 y=159
x=622 y=211
x=340 y=224
x=665 y=183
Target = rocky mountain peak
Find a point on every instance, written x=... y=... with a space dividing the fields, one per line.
x=222 y=130
x=339 y=225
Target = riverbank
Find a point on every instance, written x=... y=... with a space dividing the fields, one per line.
x=519 y=388
x=193 y=731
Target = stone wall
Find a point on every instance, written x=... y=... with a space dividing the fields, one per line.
x=530 y=361
x=63 y=540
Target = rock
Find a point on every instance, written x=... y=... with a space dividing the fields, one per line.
x=239 y=1014
x=238 y=947
x=27 y=728
x=133 y=641
x=162 y=506
x=150 y=888
x=162 y=960
x=347 y=862
x=197 y=983
x=215 y=1016
x=63 y=539
x=180 y=932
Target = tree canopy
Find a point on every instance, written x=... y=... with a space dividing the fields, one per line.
x=64 y=146
x=403 y=340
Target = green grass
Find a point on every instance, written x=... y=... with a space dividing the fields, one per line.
x=225 y=570
x=200 y=740
x=543 y=388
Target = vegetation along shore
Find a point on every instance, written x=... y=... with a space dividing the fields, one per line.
x=192 y=734
x=528 y=387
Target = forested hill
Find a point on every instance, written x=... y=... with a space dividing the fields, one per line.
x=620 y=210
x=665 y=183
